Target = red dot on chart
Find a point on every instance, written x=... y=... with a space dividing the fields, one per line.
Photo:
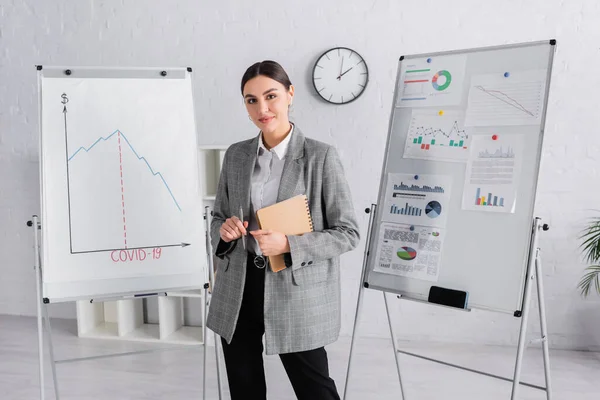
x=494 y=137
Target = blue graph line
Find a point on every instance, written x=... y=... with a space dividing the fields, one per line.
x=136 y=154
x=95 y=143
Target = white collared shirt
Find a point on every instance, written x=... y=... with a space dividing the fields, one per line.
x=264 y=185
x=280 y=149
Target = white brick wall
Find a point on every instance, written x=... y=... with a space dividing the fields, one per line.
x=220 y=39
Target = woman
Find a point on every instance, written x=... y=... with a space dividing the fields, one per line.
x=297 y=308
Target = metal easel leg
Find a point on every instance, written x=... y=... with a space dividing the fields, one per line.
x=40 y=326
x=544 y=329
x=205 y=300
x=206 y=352
x=205 y=344
x=211 y=280
x=48 y=329
x=370 y=211
x=51 y=350
x=522 y=336
x=356 y=318
x=525 y=313
x=394 y=344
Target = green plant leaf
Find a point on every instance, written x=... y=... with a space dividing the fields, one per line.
x=591 y=278
x=591 y=241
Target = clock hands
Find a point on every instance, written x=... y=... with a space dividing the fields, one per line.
x=341 y=69
x=339 y=77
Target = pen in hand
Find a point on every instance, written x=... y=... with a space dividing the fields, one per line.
x=242 y=221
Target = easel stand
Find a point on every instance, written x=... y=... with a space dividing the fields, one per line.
x=43 y=322
x=534 y=270
x=211 y=277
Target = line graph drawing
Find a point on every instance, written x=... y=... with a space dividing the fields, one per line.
x=505 y=98
x=116 y=199
x=496 y=100
x=121 y=134
x=437 y=137
x=454 y=133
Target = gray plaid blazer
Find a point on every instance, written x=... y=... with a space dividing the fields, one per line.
x=302 y=302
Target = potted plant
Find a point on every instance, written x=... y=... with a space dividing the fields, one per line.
x=591 y=248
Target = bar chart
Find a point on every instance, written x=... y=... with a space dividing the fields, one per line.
x=426 y=144
x=499 y=152
x=407 y=210
x=490 y=200
x=416 y=188
x=419 y=199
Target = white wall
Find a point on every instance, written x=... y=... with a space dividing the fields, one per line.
x=220 y=39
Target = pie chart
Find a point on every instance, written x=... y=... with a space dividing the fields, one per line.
x=433 y=209
x=436 y=81
x=406 y=253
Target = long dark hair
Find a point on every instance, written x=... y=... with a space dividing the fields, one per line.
x=268 y=68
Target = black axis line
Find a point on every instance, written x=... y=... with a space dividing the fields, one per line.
x=68 y=177
x=132 y=248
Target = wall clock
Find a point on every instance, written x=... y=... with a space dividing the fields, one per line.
x=340 y=75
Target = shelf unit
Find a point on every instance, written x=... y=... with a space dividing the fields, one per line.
x=210 y=160
x=124 y=319
x=177 y=319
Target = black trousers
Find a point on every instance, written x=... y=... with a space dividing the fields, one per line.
x=308 y=371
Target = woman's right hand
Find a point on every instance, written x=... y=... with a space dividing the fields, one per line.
x=233 y=229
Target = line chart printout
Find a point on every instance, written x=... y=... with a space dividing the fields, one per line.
x=121 y=189
x=506 y=99
x=437 y=137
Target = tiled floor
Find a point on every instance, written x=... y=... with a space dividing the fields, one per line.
x=176 y=373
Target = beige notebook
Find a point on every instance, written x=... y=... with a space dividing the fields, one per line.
x=290 y=217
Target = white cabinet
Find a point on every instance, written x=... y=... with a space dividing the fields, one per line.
x=174 y=318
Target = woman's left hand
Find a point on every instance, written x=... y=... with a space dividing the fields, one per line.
x=271 y=243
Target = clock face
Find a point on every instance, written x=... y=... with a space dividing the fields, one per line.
x=340 y=75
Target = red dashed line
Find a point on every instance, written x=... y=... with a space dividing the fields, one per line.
x=122 y=190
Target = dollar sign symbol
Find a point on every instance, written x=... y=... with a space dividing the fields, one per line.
x=65 y=99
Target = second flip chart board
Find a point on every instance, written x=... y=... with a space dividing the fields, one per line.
x=457 y=189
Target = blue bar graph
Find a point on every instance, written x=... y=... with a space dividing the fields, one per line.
x=417 y=188
x=407 y=210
